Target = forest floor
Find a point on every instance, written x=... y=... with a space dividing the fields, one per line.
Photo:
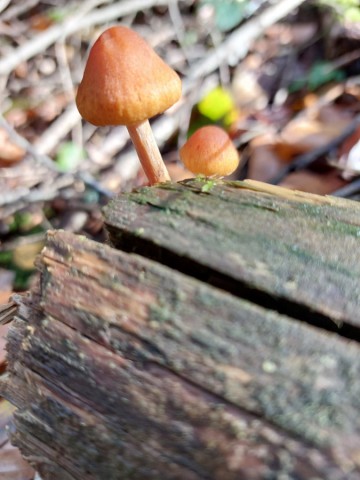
x=283 y=78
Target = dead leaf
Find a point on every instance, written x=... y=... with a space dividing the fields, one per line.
x=268 y=155
x=18 y=116
x=315 y=129
x=40 y=22
x=51 y=108
x=295 y=34
x=10 y=153
x=306 y=135
x=248 y=94
x=311 y=182
x=352 y=89
x=22 y=70
x=4 y=296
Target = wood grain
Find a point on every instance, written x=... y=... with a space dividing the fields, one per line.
x=124 y=368
x=288 y=251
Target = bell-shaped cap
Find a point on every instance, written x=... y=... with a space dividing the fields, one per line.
x=210 y=152
x=125 y=82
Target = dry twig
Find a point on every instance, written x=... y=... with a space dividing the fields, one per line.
x=77 y=22
x=236 y=46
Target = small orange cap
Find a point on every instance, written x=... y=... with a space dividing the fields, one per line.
x=210 y=151
x=125 y=82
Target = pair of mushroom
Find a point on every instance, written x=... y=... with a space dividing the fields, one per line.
x=125 y=83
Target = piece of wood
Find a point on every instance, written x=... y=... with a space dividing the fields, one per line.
x=293 y=252
x=122 y=367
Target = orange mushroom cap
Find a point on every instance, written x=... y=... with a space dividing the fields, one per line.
x=125 y=82
x=210 y=151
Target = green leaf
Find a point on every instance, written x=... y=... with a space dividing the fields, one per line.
x=322 y=73
x=348 y=10
x=57 y=14
x=228 y=13
x=352 y=14
x=216 y=104
x=68 y=156
x=5 y=258
x=198 y=122
x=22 y=277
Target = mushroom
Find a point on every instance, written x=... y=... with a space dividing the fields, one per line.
x=210 y=152
x=125 y=83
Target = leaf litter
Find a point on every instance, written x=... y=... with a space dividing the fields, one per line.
x=289 y=95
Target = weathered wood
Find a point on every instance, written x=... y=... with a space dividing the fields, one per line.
x=289 y=251
x=124 y=368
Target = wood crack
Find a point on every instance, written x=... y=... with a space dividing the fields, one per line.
x=243 y=290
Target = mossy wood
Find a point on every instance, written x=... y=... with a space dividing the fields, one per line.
x=290 y=251
x=212 y=359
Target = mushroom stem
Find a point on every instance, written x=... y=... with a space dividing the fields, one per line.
x=148 y=152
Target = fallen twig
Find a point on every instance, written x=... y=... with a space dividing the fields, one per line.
x=48 y=162
x=236 y=46
x=76 y=23
x=4 y=4
x=57 y=130
x=349 y=190
x=68 y=85
x=23 y=143
x=17 y=9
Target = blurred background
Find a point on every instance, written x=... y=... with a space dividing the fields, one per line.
x=282 y=77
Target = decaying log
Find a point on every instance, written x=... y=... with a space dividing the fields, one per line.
x=181 y=356
x=290 y=251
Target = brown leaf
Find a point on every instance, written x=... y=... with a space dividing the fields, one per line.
x=311 y=182
x=4 y=296
x=51 y=108
x=40 y=22
x=305 y=135
x=247 y=92
x=268 y=155
x=10 y=153
x=296 y=34
x=315 y=130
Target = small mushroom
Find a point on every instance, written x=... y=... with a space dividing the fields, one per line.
x=125 y=83
x=210 y=152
